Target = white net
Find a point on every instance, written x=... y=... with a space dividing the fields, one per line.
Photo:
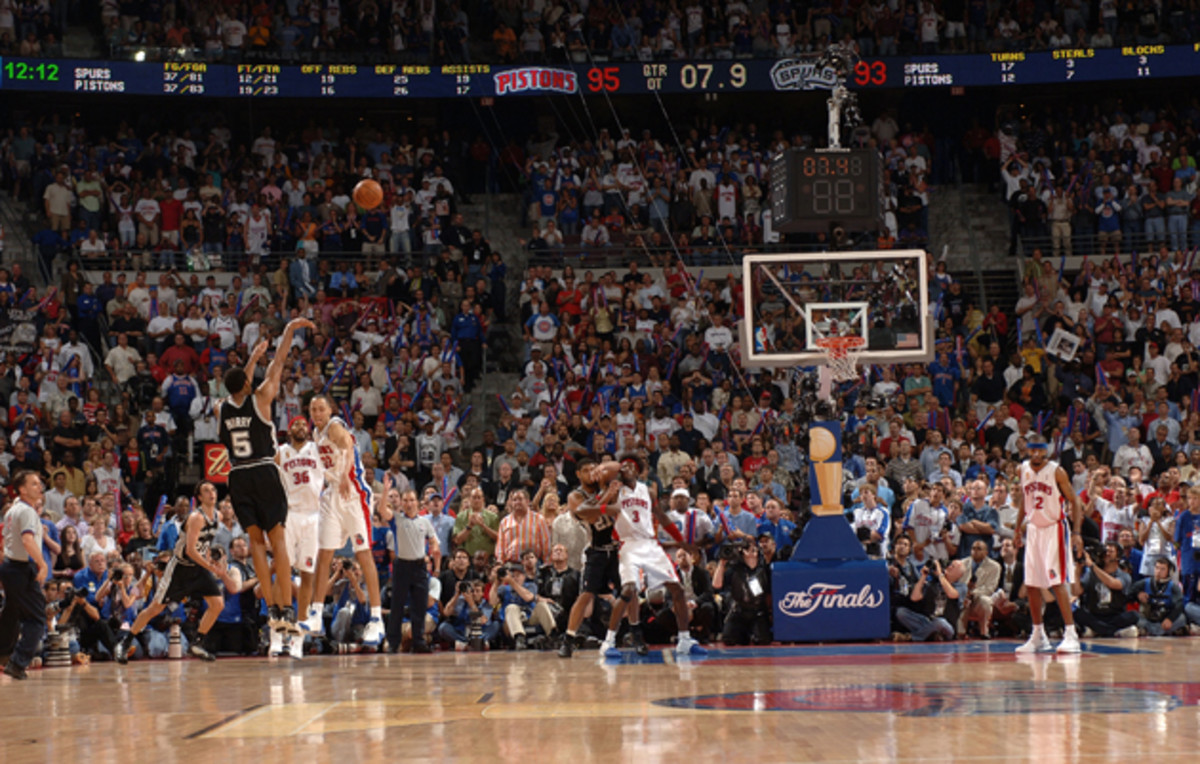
x=842 y=354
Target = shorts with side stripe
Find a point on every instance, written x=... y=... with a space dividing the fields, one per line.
x=258 y=498
x=344 y=519
x=185 y=582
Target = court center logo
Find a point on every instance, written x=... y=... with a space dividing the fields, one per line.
x=534 y=78
x=830 y=597
x=794 y=74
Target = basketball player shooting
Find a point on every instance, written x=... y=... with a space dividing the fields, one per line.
x=1044 y=487
x=642 y=560
x=247 y=431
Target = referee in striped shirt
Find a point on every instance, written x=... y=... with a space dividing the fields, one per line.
x=411 y=534
x=23 y=620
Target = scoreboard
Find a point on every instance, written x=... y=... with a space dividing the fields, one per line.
x=194 y=78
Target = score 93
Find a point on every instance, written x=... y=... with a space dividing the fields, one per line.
x=870 y=73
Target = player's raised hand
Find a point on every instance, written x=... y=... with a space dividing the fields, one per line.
x=259 y=349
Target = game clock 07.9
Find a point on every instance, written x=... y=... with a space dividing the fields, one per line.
x=31 y=71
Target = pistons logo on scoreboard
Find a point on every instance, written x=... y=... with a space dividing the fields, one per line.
x=534 y=78
x=216 y=463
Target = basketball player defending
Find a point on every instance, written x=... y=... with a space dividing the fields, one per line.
x=303 y=479
x=345 y=514
x=1044 y=486
x=190 y=573
x=247 y=431
x=601 y=571
x=642 y=557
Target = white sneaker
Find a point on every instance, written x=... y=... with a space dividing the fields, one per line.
x=276 y=647
x=689 y=646
x=296 y=647
x=1129 y=632
x=373 y=634
x=1036 y=644
x=460 y=646
x=1070 y=644
x=608 y=649
x=313 y=625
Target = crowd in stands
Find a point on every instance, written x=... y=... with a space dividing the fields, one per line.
x=509 y=31
x=1102 y=181
x=196 y=198
x=32 y=28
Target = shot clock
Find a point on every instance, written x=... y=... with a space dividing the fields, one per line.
x=813 y=191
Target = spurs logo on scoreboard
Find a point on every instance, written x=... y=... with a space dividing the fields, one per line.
x=793 y=74
x=829 y=597
x=534 y=78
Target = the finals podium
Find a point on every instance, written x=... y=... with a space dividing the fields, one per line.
x=829 y=590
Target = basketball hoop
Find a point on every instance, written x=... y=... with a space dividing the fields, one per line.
x=842 y=354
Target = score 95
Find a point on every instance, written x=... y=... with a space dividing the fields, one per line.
x=870 y=73
x=607 y=78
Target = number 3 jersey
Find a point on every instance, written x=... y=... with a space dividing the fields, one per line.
x=636 y=521
x=303 y=477
x=1040 y=494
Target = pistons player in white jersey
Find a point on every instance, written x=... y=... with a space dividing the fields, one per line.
x=643 y=563
x=345 y=514
x=1044 y=488
x=303 y=480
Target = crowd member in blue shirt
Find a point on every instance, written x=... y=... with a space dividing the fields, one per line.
x=95 y=634
x=466 y=332
x=774 y=523
x=468 y=606
x=978 y=521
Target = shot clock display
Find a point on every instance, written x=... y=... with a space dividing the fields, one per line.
x=814 y=190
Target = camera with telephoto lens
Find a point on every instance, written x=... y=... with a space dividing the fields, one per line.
x=873 y=548
x=732 y=550
x=464 y=587
x=931 y=567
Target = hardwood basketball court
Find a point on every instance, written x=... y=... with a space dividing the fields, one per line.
x=848 y=703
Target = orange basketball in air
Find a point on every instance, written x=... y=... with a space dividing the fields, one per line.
x=368 y=194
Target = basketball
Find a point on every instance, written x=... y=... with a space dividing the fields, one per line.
x=822 y=444
x=368 y=194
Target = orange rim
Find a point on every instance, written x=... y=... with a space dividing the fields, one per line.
x=839 y=347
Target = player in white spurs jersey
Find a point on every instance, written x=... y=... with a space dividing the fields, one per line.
x=346 y=508
x=643 y=561
x=1044 y=488
x=303 y=479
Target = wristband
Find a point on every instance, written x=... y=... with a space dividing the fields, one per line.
x=674 y=533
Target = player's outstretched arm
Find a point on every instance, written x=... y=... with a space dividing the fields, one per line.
x=266 y=392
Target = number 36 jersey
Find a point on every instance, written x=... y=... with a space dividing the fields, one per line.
x=303 y=477
x=1041 y=498
x=635 y=522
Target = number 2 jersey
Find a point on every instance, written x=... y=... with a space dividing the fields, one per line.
x=303 y=477
x=635 y=521
x=1043 y=502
